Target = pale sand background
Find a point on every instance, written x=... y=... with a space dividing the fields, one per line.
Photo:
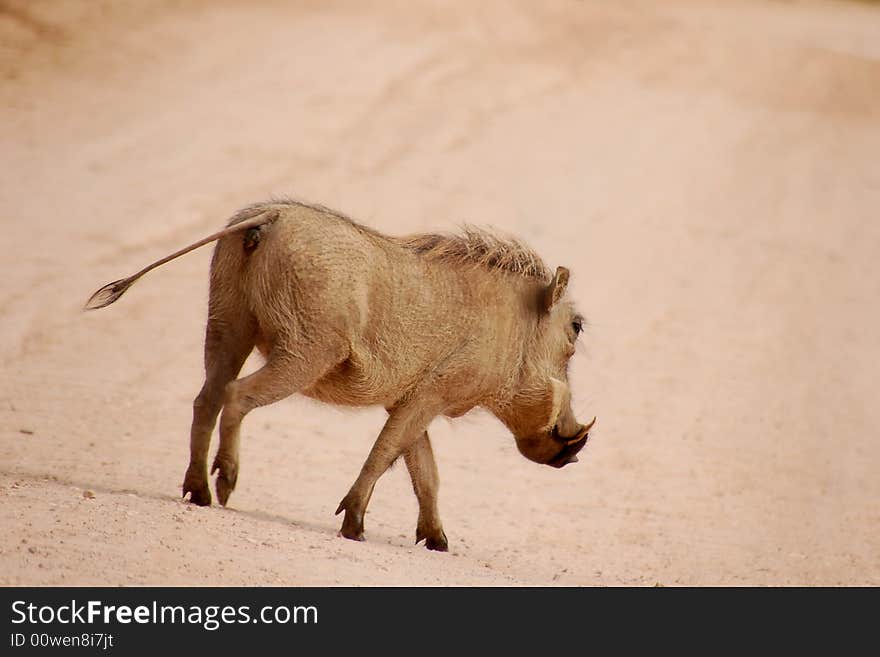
x=709 y=172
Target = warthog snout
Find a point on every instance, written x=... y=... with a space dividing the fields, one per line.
x=570 y=446
x=554 y=448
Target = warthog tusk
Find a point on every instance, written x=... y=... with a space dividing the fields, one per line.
x=583 y=432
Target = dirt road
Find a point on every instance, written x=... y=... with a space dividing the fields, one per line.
x=709 y=172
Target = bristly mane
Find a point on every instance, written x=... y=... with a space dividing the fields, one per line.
x=480 y=247
x=474 y=246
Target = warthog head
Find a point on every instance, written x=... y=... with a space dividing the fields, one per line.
x=539 y=412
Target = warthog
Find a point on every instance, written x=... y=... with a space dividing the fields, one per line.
x=423 y=325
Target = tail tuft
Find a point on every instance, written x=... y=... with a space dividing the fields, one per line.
x=109 y=293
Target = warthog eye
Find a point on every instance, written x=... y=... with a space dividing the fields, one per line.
x=577 y=326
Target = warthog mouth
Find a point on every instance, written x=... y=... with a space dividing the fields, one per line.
x=570 y=446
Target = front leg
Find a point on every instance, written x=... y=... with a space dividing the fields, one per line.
x=426 y=483
x=404 y=426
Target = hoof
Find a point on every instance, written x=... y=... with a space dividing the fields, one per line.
x=433 y=540
x=197 y=488
x=351 y=536
x=227 y=475
x=224 y=489
x=440 y=544
x=200 y=496
x=353 y=523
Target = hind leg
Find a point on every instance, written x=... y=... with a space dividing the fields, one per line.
x=426 y=482
x=285 y=373
x=227 y=346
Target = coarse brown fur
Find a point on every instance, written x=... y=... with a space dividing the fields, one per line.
x=424 y=325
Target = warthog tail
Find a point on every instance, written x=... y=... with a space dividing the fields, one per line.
x=112 y=291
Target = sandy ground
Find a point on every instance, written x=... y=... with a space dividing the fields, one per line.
x=709 y=172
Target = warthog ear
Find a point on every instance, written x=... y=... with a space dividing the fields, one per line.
x=553 y=292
